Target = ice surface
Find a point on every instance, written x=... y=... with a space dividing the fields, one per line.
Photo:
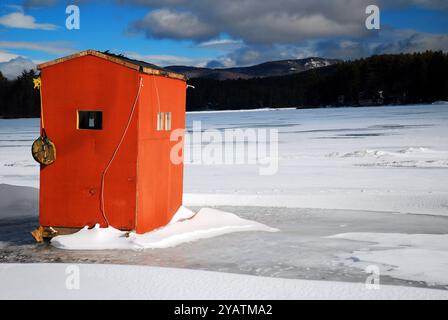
x=17 y=165
x=207 y=223
x=16 y=202
x=299 y=250
x=392 y=159
x=60 y=281
x=440 y=102
x=344 y=170
x=418 y=157
x=421 y=257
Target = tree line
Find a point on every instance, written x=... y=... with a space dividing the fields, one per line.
x=377 y=80
x=18 y=98
x=380 y=79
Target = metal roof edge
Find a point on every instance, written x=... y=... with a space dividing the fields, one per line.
x=98 y=54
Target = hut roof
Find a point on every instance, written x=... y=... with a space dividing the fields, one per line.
x=142 y=66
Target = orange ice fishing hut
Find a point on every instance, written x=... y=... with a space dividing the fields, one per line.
x=112 y=121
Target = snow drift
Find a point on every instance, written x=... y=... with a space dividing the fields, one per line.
x=416 y=257
x=207 y=223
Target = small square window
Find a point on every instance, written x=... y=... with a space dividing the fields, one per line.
x=168 y=121
x=160 y=116
x=90 y=120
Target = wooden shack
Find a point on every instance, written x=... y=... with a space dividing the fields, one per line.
x=110 y=119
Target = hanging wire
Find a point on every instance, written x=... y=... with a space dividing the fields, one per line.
x=157 y=93
x=38 y=85
x=103 y=176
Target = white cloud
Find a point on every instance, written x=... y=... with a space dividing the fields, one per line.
x=386 y=41
x=39 y=3
x=164 y=23
x=22 y=21
x=254 y=21
x=411 y=41
x=262 y=30
x=255 y=54
x=221 y=44
x=167 y=60
x=14 y=67
x=56 y=48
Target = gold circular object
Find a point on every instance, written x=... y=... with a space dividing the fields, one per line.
x=43 y=151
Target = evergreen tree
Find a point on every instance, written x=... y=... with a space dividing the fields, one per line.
x=380 y=79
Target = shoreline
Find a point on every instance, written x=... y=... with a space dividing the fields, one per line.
x=435 y=103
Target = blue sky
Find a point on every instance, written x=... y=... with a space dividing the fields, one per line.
x=221 y=33
x=417 y=18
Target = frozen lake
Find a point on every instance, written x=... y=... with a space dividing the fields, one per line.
x=353 y=172
x=377 y=158
x=298 y=251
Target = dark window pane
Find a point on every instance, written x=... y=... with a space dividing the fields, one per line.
x=90 y=120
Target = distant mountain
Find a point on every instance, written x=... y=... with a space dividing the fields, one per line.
x=390 y=79
x=267 y=69
x=14 y=67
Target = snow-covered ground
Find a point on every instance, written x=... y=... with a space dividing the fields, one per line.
x=355 y=187
x=421 y=257
x=378 y=158
x=62 y=281
x=17 y=166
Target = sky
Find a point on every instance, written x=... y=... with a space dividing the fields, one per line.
x=217 y=33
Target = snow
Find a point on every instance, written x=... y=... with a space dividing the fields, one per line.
x=417 y=257
x=390 y=159
x=17 y=166
x=440 y=102
x=207 y=223
x=297 y=251
x=317 y=64
x=350 y=169
x=82 y=281
x=418 y=157
x=241 y=110
x=182 y=214
x=94 y=239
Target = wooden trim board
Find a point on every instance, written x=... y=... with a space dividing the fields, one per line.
x=95 y=53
